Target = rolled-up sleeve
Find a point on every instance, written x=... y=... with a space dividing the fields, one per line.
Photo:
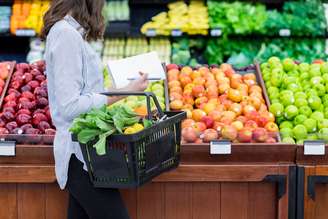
x=67 y=62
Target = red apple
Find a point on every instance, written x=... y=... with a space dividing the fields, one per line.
x=229 y=132
x=260 y=134
x=208 y=121
x=210 y=135
x=245 y=135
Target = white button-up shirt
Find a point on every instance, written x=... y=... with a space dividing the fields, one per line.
x=75 y=80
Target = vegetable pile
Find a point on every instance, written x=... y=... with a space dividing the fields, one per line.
x=98 y=124
x=25 y=109
x=305 y=18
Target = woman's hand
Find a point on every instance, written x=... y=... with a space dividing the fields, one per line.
x=139 y=84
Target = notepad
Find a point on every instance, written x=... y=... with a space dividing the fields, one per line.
x=124 y=69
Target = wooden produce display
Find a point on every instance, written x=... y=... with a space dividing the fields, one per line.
x=214 y=180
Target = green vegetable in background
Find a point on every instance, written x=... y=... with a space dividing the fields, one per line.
x=101 y=123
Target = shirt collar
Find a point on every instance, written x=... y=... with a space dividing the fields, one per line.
x=69 y=19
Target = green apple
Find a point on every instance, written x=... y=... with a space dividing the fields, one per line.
x=286 y=132
x=288 y=140
x=299 y=132
x=299 y=119
x=326 y=87
x=301 y=102
x=324 y=68
x=273 y=90
x=304 y=76
x=159 y=93
x=268 y=84
x=315 y=70
x=322 y=108
x=312 y=136
x=288 y=64
x=291 y=111
x=273 y=60
x=276 y=81
x=310 y=125
x=274 y=96
x=316 y=80
x=294 y=73
x=304 y=67
x=314 y=102
x=287 y=100
x=311 y=92
x=276 y=109
x=286 y=124
x=323 y=134
x=300 y=94
x=305 y=110
x=294 y=87
x=318 y=116
x=264 y=65
x=266 y=77
x=157 y=87
x=286 y=92
x=325 y=77
x=289 y=80
x=274 y=100
x=320 y=88
x=323 y=124
x=306 y=85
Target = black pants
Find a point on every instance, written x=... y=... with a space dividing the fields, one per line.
x=87 y=202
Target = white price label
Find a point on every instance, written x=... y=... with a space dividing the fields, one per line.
x=151 y=33
x=176 y=32
x=284 y=32
x=25 y=32
x=314 y=148
x=220 y=147
x=216 y=32
x=7 y=148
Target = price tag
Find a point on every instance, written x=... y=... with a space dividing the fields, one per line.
x=25 y=32
x=220 y=147
x=284 y=32
x=7 y=148
x=176 y=32
x=151 y=32
x=314 y=148
x=216 y=32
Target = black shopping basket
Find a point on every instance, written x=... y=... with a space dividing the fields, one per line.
x=132 y=160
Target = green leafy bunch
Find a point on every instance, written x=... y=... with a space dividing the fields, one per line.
x=102 y=123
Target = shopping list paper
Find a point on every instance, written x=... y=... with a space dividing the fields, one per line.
x=124 y=69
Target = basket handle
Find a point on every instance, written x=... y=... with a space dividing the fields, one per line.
x=148 y=95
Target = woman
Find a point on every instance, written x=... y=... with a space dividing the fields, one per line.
x=74 y=82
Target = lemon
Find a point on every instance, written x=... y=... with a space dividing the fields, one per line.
x=138 y=127
x=129 y=130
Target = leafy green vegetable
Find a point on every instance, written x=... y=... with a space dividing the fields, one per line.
x=101 y=123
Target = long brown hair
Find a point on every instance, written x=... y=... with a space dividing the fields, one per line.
x=88 y=13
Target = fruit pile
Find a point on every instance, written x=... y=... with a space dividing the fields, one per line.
x=4 y=73
x=138 y=103
x=299 y=98
x=220 y=104
x=25 y=109
x=28 y=15
x=192 y=19
x=117 y=10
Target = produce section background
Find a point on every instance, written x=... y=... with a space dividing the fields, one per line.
x=205 y=32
